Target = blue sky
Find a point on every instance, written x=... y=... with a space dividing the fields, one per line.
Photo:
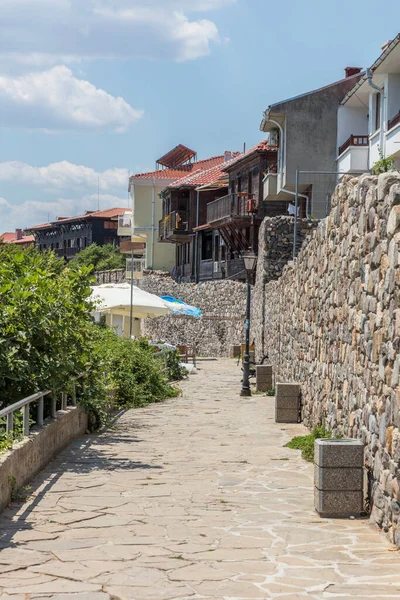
x=97 y=89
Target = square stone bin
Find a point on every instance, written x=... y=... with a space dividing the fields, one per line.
x=235 y=350
x=338 y=477
x=287 y=403
x=263 y=378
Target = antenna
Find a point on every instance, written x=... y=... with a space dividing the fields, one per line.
x=244 y=147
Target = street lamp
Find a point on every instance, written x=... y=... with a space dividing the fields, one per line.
x=250 y=261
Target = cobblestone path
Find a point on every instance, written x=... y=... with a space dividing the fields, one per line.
x=194 y=498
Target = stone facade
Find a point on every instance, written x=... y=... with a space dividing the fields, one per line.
x=274 y=253
x=223 y=306
x=332 y=324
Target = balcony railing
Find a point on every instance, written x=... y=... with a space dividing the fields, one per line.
x=354 y=140
x=232 y=205
x=395 y=121
x=175 y=222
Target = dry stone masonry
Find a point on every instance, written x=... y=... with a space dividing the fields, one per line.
x=223 y=306
x=332 y=324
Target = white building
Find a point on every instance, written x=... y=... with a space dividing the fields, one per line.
x=369 y=115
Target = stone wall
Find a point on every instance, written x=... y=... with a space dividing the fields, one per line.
x=332 y=323
x=223 y=306
x=275 y=252
x=34 y=452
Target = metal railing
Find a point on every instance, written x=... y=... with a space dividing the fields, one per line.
x=25 y=404
x=175 y=221
x=354 y=140
x=395 y=121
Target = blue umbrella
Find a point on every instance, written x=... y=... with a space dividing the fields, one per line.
x=181 y=308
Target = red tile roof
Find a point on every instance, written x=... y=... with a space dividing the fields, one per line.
x=260 y=147
x=97 y=214
x=181 y=171
x=26 y=239
x=205 y=176
x=7 y=237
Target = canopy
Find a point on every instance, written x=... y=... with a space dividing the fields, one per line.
x=116 y=298
x=178 y=307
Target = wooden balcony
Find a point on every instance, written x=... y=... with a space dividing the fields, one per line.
x=230 y=206
x=395 y=121
x=354 y=141
x=174 y=227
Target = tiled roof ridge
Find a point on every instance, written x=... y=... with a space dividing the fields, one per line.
x=96 y=213
x=175 y=172
x=260 y=146
x=204 y=172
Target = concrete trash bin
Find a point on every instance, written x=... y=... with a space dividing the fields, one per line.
x=263 y=378
x=287 y=403
x=338 y=477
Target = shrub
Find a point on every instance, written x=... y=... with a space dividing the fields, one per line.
x=100 y=258
x=305 y=443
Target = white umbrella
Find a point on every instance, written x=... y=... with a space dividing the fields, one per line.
x=117 y=298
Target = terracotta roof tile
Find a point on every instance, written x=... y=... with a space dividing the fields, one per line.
x=260 y=147
x=97 y=214
x=205 y=176
x=7 y=237
x=181 y=171
x=26 y=239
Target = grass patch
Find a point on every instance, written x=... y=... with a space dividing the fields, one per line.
x=305 y=443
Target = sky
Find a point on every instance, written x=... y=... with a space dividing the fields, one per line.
x=94 y=90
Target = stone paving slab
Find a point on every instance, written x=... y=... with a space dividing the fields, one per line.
x=193 y=499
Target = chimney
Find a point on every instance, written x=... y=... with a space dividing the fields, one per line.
x=385 y=45
x=350 y=71
x=227 y=155
x=18 y=234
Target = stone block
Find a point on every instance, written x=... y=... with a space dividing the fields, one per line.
x=330 y=479
x=286 y=415
x=287 y=390
x=263 y=378
x=234 y=351
x=338 y=503
x=339 y=453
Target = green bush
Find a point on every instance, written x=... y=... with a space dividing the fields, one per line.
x=135 y=377
x=305 y=443
x=100 y=258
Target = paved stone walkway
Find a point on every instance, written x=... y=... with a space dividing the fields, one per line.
x=194 y=498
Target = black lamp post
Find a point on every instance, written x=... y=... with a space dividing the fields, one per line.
x=250 y=261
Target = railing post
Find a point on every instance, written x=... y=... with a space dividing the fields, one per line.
x=53 y=409
x=39 y=417
x=25 y=419
x=10 y=423
x=73 y=393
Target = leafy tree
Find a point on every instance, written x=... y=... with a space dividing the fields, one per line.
x=101 y=258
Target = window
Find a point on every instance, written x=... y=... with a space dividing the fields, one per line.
x=206 y=246
x=377 y=111
x=69 y=243
x=250 y=183
x=78 y=242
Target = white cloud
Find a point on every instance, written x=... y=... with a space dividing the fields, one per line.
x=64 y=175
x=51 y=30
x=56 y=100
x=33 y=212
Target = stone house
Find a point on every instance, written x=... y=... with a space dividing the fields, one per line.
x=304 y=129
x=369 y=115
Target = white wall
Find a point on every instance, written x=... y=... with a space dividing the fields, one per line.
x=351 y=121
x=393 y=94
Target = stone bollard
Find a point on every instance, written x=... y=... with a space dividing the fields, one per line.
x=263 y=378
x=338 y=477
x=234 y=351
x=287 y=403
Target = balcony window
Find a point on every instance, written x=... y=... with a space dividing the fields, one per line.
x=377 y=121
x=206 y=247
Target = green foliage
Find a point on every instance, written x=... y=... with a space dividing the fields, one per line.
x=270 y=392
x=172 y=364
x=305 y=443
x=45 y=323
x=133 y=376
x=100 y=258
x=383 y=165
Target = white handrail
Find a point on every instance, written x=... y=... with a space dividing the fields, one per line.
x=25 y=403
